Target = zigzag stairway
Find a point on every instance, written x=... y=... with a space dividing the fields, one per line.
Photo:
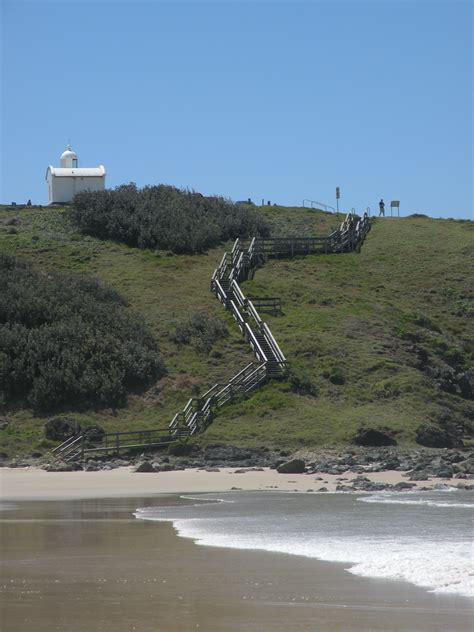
x=236 y=266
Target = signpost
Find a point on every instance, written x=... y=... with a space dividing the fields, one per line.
x=395 y=204
x=338 y=195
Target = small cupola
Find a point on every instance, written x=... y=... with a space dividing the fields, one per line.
x=69 y=158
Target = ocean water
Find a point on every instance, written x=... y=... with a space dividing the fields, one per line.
x=420 y=537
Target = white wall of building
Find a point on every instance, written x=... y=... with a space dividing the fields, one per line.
x=62 y=189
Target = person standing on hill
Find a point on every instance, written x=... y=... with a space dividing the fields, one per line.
x=381 y=208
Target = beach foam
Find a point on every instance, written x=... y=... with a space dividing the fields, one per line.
x=403 y=537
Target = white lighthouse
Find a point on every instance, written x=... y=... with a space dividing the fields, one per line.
x=68 y=179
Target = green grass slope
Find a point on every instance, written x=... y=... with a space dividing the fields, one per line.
x=372 y=337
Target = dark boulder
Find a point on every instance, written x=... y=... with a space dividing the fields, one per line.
x=61 y=466
x=295 y=466
x=91 y=466
x=372 y=437
x=467 y=466
x=437 y=463
x=227 y=453
x=180 y=449
x=466 y=384
x=433 y=436
x=445 y=472
x=455 y=457
x=344 y=488
x=364 y=484
x=390 y=464
x=145 y=466
x=402 y=486
x=61 y=428
x=420 y=475
x=166 y=467
x=465 y=486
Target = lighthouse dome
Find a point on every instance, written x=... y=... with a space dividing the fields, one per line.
x=69 y=158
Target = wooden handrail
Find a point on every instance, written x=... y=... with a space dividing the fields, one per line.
x=241 y=373
x=237 y=265
x=221 y=295
x=255 y=344
x=237 y=316
x=253 y=312
x=65 y=444
x=239 y=295
x=273 y=343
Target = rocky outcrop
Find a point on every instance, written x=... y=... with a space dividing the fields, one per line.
x=295 y=466
x=433 y=436
x=374 y=437
x=417 y=464
x=180 y=449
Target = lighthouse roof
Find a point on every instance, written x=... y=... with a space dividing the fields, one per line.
x=69 y=153
x=78 y=172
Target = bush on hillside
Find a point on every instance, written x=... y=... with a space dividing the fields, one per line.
x=68 y=341
x=301 y=383
x=164 y=217
x=200 y=330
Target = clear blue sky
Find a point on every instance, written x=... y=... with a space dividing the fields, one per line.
x=263 y=99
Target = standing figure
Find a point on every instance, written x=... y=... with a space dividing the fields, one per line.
x=381 y=208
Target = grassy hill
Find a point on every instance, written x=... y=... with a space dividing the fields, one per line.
x=379 y=337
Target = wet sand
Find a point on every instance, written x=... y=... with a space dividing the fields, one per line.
x=88 y=565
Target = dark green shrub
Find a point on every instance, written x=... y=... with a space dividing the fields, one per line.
x=335 y=375
x=200 y=330
x=61 y=428
x=68 y=341
x=164 y=217
x=301 y=383
x=94 y=432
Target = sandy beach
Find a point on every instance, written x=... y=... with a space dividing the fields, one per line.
x=36 y=484
x=83 y=562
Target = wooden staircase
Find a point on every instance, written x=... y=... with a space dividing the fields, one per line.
x=236 y=266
